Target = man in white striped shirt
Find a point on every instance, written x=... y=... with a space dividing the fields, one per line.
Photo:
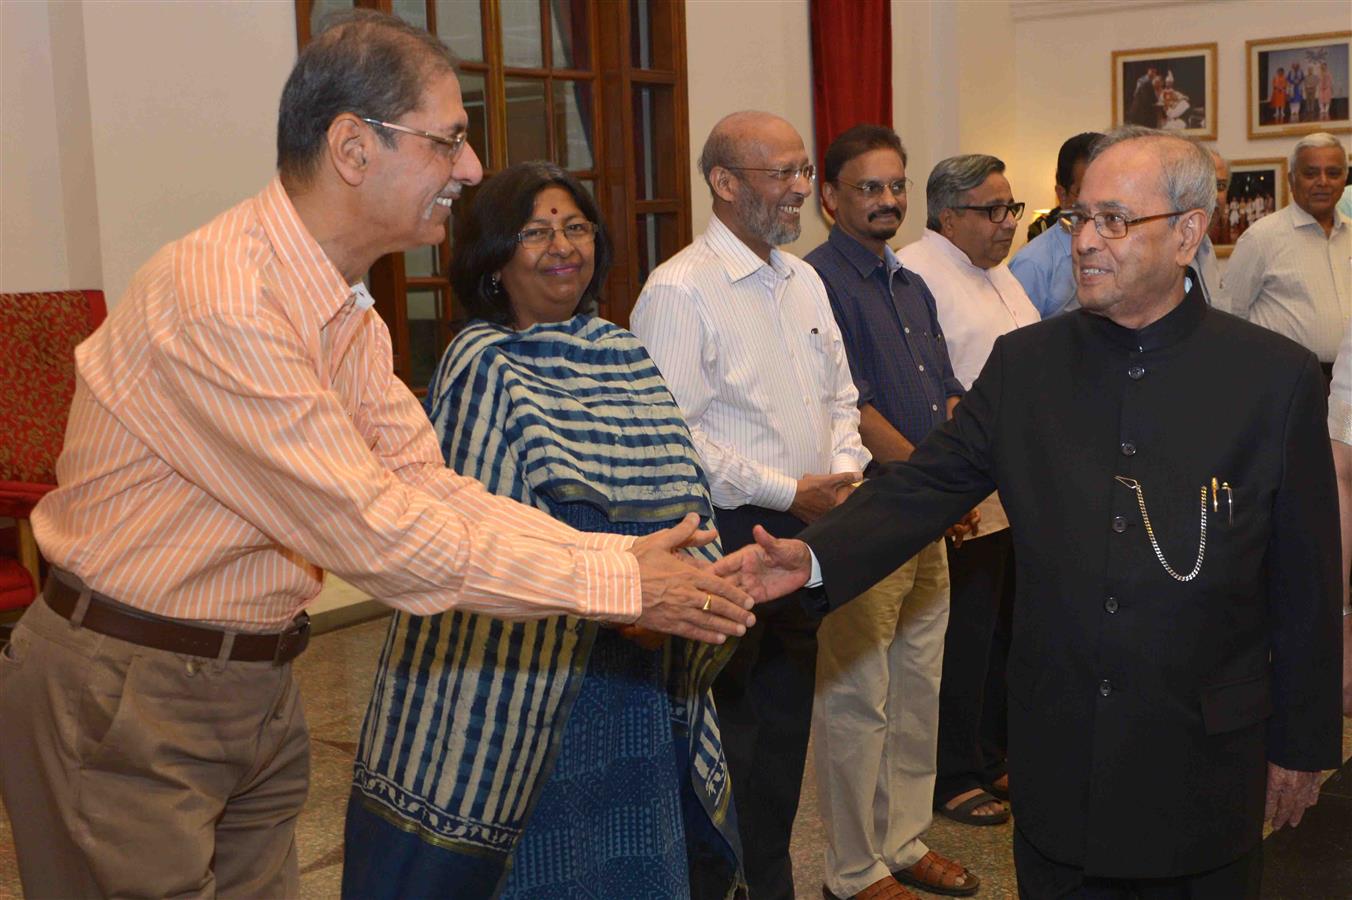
x=745 y=337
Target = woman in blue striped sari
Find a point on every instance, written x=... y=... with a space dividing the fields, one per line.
x=556 y=758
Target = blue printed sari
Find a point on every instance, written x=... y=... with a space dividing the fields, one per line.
x=550 y=758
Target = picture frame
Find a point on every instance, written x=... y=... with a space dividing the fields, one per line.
x=1173 y=88
x=1258 y=188
x=1276 y=108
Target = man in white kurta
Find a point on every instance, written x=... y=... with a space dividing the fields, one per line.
x=970 y=224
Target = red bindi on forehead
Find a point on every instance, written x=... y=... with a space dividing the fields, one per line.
x=553 y=211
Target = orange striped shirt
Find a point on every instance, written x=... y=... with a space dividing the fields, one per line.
x=237 y=429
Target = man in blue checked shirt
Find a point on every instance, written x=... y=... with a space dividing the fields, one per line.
x=879 y=657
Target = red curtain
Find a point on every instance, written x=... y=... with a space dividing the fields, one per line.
x=851 y=66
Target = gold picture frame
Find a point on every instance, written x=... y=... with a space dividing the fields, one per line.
x=1173 y=88
x=1267 y=62
x=1250 y=180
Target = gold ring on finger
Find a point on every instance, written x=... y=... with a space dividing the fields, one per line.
x=708 y=598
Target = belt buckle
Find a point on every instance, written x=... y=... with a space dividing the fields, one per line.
x=297 y=636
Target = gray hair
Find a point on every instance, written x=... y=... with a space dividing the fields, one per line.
x=952 y=178
x=1318 y=140
x=1189 y=171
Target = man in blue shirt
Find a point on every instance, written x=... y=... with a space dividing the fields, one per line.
x=1043 y=264
x=879 y=657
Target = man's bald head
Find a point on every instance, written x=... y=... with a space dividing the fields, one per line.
x=743 y=139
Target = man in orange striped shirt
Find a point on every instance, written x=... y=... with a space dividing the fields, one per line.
x=237 y=430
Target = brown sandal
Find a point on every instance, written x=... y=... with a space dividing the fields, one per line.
x=882 y=889
x=938 y=875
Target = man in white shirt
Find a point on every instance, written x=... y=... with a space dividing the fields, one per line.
x=971 y=221
x=1289 y=271
x=745 y=338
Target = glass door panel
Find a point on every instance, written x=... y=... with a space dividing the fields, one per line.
x=573 y=130
x=459 y=25
x=527 y=134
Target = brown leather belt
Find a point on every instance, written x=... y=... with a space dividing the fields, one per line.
x=148 y=630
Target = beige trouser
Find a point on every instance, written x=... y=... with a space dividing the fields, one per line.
x=875 y=721
x=134 y=772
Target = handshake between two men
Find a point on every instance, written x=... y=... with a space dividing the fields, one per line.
x=713 y=602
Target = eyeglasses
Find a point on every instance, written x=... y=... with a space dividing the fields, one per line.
x=788 y=173
x=871 y=189
x=1109 y=225
x=453 y=144
x=578 y=234
x=998 y=211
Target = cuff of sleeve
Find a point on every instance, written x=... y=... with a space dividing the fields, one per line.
x=777 y=491
x=611 y=585
x=815 y=579
x=844 y=462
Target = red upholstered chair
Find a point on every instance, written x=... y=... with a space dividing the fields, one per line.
x=38 y=336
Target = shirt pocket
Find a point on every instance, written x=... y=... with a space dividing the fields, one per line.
x=821 y=364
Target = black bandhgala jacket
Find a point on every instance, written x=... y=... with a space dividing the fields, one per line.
x=1142 y=710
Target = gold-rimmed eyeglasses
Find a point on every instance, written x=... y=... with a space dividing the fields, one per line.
x=784 y=173
x=577 y=233
x=1109 y=225
x=453 y=144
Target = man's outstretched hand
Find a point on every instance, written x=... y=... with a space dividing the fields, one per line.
x=683 y=597
x=769 y=568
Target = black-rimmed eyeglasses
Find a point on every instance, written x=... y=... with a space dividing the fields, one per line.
x=786 y=173
x=1109 y=225
x=998 y=211
x=453 y=144
x=872 y=189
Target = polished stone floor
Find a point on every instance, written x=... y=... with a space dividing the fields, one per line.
x=1313 y=862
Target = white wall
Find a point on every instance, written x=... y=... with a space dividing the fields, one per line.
x=743 y=55
x=1064 y=76
x=183 y=102
x=33 y=254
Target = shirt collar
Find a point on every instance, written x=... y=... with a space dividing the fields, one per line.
x=860 y=257
x=738 y=259
x=950 y=250
x=297 y=250
x=1301 y=219
x=1180 y=322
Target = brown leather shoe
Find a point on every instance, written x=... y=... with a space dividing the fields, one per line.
x=939 y=875
x=882 y=889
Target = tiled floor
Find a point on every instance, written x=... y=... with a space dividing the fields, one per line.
x=335 y=675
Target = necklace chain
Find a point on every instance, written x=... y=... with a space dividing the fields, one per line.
x=1135 y=485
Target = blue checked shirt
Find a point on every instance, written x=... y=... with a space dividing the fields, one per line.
x=888 y=319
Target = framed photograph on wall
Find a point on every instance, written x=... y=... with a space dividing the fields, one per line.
x=1257 y=189
x=1173 y=88
x=1299 y=84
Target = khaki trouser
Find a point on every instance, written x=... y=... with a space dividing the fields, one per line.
x=875 y=721
x=134 y=772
